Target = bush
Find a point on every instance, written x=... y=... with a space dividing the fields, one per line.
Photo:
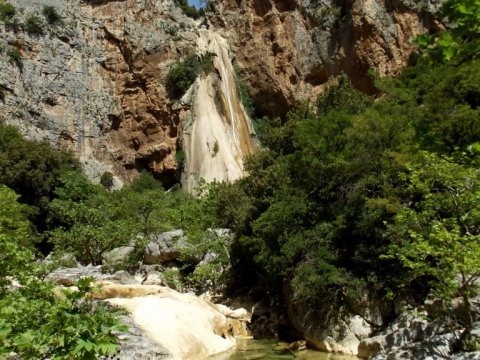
x=184 y=73
x=51 y=15
x=107 y=180
x=34 y=25
x=14 y=55
x=37 y=324
x=7 y=12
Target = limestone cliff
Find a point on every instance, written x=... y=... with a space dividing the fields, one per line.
x=94 y=83
x=288 y=49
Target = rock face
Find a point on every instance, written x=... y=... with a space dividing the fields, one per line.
x=187 y=326
x=164 y=247
x=410 y=337
x=94 y=84
x=335 y=325
x=220 y=134
x=288 y=49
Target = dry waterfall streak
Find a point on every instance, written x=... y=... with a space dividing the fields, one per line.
x=221 y=131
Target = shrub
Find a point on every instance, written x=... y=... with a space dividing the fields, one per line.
x=107 y=180
x=14 y=55
x=37 y=324
x=7 y=12
x=183 y=73
x=51 y=15
x=244 y=93
x=34 y=25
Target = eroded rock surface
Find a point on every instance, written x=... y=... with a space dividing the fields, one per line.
x=187 y=326
x=289 y=49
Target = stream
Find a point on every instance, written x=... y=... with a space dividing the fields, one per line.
x=248 y=349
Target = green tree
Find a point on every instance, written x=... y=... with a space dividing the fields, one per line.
x=32 y=170
x=15 y=236
x=461 y=40
x=437 y=234
x=91 y=217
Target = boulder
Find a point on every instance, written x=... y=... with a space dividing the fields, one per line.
x=68 y=276
x=185 y=325
x=410 y=336
x=117 y=257
x=164 y=247
x=335 y=324
x=226 y=234
x=66 y=260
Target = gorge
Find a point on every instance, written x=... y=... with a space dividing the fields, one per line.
x=314 y=162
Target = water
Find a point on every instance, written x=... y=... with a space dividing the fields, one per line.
x=248 y=349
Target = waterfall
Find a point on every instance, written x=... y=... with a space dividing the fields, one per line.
x=220 y=133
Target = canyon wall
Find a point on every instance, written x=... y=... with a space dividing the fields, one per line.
x=94 y=83
x=289 y=49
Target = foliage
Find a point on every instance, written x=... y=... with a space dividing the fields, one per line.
x=37 y=324
x=34 y=25
x=51 y=15
x=14 y=55
x=184 y=73
x=326 y=186
x=343 y=95
x=437 y=236
x=93 y=222
x=15 y=236
x=7 y=12
x=32 y=170
x=244 y=93
x=107 y=180
x=461 y=41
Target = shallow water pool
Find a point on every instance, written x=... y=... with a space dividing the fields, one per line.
x=248 y=349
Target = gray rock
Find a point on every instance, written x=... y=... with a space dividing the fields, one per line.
x=121 y=277
x=474 y=355
x=135 y=344
x=209 y=257
x=225 y=234
x=68 y=276
x=117 y=257
x=65 y=260
x=164 y=247
x=410 y=337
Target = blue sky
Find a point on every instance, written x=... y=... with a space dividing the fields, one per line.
x=195 y=3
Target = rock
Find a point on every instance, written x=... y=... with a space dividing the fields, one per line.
x=187 y=326
x=121 y=277
x=225 y=234
x=154 y=279
x=68 y=276
x=474 y=355
x=135 y=344
x=337 y=325
x=164 y=247
x=118 y=257
x=288 y=50
x=65 y=260
x=410 y=337
x=96 y=83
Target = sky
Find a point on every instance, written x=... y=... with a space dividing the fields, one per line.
x=195 y=3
